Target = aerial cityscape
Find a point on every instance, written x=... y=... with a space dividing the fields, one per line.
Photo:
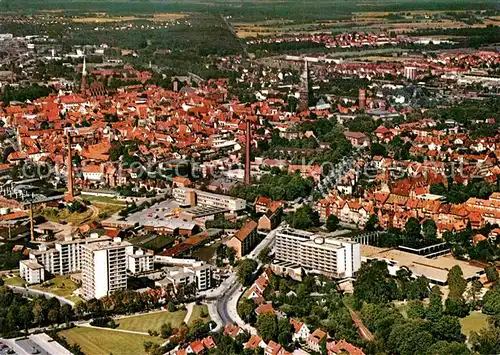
x=249 y=177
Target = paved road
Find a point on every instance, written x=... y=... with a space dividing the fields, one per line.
x=228 y=293
x=34 y=293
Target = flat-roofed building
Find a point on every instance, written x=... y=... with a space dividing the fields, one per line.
x=199 y=273
x=436 y=270
x=140 y=262
x=31 y=271
x=104 y=268
x=332 y=257
x=192 y=197
x=65 y=256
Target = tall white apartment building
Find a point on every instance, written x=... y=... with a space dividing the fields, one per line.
x=332 y=257
x=193 y=197
x=104 y=268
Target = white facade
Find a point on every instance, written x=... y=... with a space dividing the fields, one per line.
x=104 y=268
x=195 y=197
x=31 y=271
x=139 y=262
x=331 y=257
x=199 y=273
x=66 y=256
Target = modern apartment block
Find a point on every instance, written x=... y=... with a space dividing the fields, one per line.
x=31 y=271
x=199 y=273
x=140 y=262
x=193 y=197
x=65 y=256
x=104 y=268
x=332 y=257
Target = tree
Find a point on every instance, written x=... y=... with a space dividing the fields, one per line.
x=491 y=273
x=66 y=312
x=245 y=271
x=435 y=309
x=303 y=218
x=429 y=230
x=409 y=339
x=377 y=149
x=415 y=309
x=447 y=328
x=491 y=302
x=25 y=317
x=171 y=307
x=456 y=283
x=413 y=229
x=445 y=348
x=475 y=289
x=267 y=325
x=264 y=255
x=332 y=223
x=246 y=310
x=456 y=307
x=372 y=223
x=487 y=341
x=373 y=283
x=166 y=330
x=284 y=331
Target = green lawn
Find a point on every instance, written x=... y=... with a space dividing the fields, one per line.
x=61 y=286
x=151 y=321
x=206 y=253
x=197 y=314
x=104 y=342
x=102 y=199
x=475 y=321
x=14 y=281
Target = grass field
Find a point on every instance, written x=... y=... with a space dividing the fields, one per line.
x=14 y=281
x=206 y=253
x=152 y=321
x=197 y=309
x=475 y=321
x=55 y=215
x=104 y=342
x=103 y=199
x=108 y=209
x=61 y=286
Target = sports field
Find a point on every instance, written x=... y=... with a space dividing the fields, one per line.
x=103 y=342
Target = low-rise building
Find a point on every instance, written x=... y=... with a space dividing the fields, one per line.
x=140 y=262
x=31 y=271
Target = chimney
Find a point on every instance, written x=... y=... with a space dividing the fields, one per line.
x=83 y=88
x=247 y=153
x=69 y=163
